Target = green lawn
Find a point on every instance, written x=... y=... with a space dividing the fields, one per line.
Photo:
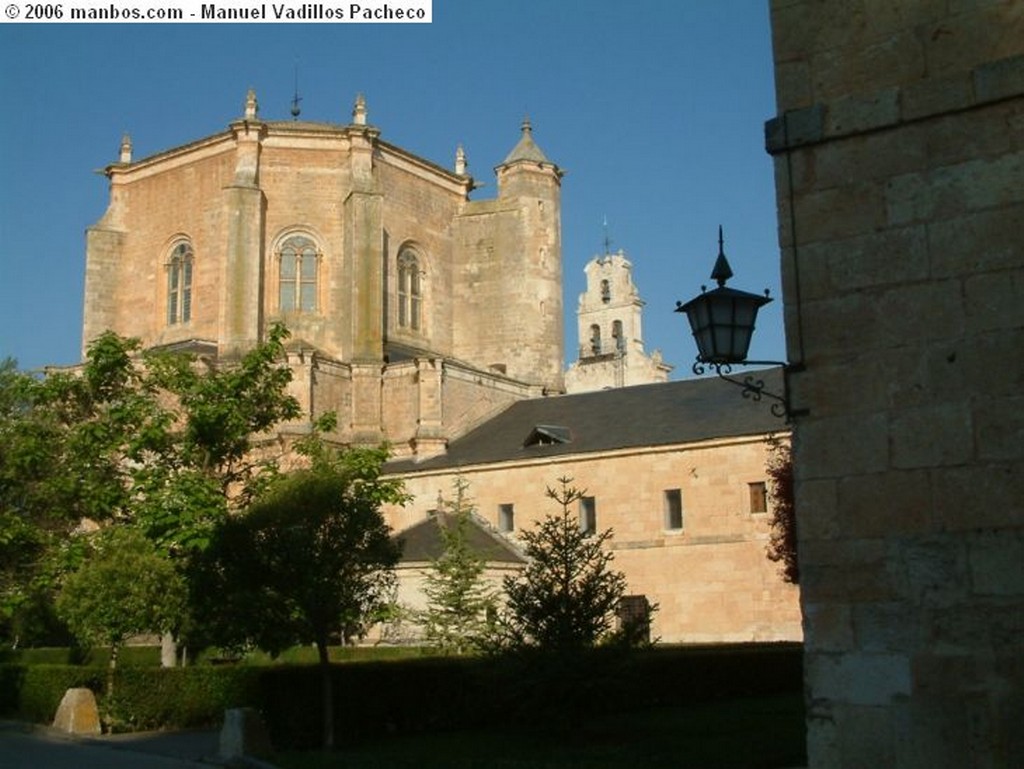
x=754 y=733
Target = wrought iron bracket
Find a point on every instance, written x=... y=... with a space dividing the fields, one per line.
x=754 y=387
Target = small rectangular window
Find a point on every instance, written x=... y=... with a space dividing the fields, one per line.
x=506 y=517
x=588 y=515
x=673 y=509
x=758 y=497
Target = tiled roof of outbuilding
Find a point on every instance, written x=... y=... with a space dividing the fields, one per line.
x=422 y=542
x=660 y=414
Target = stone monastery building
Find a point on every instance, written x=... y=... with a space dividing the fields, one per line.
x=433 y=321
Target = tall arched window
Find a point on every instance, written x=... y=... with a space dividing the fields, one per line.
x=595 y=339
x=409 y=290
x=299 y=262
x=620 y=341
x=179 y=284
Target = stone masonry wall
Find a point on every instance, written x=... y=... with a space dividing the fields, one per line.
x=711 y=578
x=899 y=157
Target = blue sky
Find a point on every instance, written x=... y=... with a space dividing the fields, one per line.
x=654 y=108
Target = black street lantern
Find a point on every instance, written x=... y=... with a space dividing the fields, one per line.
x=722 y=319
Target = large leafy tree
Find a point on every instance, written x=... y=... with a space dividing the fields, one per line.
x=164 y=443
x=460 y=602
x=310 y=557
x=566 y=597
x=45 y=490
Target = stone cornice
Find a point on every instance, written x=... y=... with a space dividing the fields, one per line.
x=579 y=458
x=899 y=105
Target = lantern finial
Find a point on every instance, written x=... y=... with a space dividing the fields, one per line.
x=722 y=271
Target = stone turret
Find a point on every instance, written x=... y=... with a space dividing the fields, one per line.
x=529 y=250
x=526 y=170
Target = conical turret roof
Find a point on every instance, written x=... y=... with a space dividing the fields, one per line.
x=526 y=148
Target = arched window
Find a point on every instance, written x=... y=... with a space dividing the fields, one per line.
x=299 y=262
x=620 y=342
x=606 y=291
x=409 y=290
x=595 y=339
x=179 y=284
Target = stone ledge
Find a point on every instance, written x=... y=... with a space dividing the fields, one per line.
x=890 y=107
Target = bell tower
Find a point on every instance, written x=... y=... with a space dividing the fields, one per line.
x=609 y=320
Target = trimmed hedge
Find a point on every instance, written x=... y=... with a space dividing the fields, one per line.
x=144 y=698
x=416 y=694
x=530 y=690
x=129 y=656
x=33 y=692
x=155 y=698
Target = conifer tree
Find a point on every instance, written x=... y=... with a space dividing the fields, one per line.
x=566 y=597
x=460 y=603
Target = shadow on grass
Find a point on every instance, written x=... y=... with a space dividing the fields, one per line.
x=764 y=732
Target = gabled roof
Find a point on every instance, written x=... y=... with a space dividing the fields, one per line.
x=661 y=414
x=422 y=542
x=545 y=435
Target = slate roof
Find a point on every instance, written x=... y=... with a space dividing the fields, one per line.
x=526 y=148
x=423 y=542
x=648 y=415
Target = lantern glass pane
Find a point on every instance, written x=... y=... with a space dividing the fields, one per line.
x=721 y=310
x=746 y=311
x=741 y=342
x=723 y=343
x=705 y=343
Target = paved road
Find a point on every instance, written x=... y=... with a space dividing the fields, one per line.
x=40 y=748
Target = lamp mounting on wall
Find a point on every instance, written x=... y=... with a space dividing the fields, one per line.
x=722 y=321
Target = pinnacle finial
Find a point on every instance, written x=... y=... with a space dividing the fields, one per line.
x=526 y=126
x=359 y=110
x=460 y=161
x=252 y=107
x=126 y=148
x=296 y=109
x=722 y=271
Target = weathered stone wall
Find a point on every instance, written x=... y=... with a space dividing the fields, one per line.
x=236 y=196
x=128 y=249
x=509 y=257
x=899 y=157
x=711 y=578
x=411 y=581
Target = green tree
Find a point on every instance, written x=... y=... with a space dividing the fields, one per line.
x=782 y=540
x=161 y=442
x=460 y=603
x=124 y=588
x=311 y=556
x=566 y=597
x=36 y=500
